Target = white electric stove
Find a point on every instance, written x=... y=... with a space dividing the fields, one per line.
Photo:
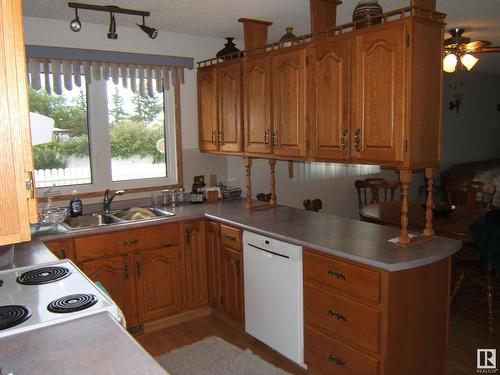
x=38 y=296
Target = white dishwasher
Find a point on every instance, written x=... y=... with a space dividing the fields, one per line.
x=273 y=294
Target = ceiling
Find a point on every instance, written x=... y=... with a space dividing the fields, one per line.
x=218 y=18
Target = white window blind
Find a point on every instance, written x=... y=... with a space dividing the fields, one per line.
x=327 y=171
x=143 y=73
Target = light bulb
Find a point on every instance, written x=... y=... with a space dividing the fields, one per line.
x=469 y=61
x=449 y=63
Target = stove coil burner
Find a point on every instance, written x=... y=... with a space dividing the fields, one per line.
x=12 y=315
x=72 y=303
x=43 y=275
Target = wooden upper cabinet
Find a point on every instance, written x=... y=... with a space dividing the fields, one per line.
x=159 y=283
x=207 y=108
x=288 y=102
x=196 y=264
x=329 y=80
x=117 y=277
x=378 y=97
x=230 y=111
x=257 y=105
x=17 y=204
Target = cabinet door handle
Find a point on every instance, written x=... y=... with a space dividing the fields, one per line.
x=63 y=253
x=130 y=242
x=214 y=142
x=221 y=138
x=345 y=139
x=275 y=138
x=266 y=137
x=337 y=275
x=229 y=238
x=336 y=360
x=188 y=237
x=138 y=267
x=237 y=267
x=357 y=140
x=336 y=315
x=125 y=271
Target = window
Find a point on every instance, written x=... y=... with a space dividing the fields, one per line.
x=104 y=136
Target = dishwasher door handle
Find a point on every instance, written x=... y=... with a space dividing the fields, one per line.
x=268 y=251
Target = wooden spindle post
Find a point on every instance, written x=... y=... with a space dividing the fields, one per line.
x=429 y=177
x=405 y=178
x=248 y=173
x=272 y=167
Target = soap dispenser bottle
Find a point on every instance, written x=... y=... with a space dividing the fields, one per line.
x=75 y=205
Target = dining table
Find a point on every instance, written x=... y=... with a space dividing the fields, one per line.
x=453 y=225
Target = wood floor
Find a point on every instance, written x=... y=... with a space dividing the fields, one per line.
x=468 y=332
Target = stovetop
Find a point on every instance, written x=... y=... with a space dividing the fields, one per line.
x=64 y=293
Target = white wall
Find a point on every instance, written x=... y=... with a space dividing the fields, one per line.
x=40 y=31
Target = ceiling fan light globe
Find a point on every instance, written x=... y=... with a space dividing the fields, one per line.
x=75 y=25
x=468 y=61
x=450 y=63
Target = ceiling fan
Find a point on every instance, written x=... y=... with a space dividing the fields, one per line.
x=460 y=47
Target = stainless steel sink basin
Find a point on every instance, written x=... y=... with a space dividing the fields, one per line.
x=139 y=213
x=91 y=220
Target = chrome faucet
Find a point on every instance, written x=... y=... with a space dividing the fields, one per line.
x=108 y=199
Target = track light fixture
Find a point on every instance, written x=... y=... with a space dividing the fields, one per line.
x=76 y=25
x=151 y=31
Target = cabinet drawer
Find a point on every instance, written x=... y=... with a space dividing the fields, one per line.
x=125 y=241
x=334 y=358
x=341 y=317
x=337 y=275
x=230 y=237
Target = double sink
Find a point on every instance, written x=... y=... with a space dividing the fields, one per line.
x=127 y=215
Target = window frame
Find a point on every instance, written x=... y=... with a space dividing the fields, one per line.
x=100 y=149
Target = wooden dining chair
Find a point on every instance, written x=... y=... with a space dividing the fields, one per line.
x=470 y=194
x=375 y=186
x=313 y=205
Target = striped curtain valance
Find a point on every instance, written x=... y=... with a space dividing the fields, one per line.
x=62 y=67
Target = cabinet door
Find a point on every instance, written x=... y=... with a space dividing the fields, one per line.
x=232 y=284
x=329 y=100
x=207 y=108
x=159 y=282
x=288 y=102
x=62 y=249
x=378 y=97
x=195 y=257
x=116 y=275
x=230 y=113
x=257 y=105
x=17 y=205
x=213 y=263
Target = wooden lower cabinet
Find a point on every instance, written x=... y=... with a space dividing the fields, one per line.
x=159 y=281
x=116 y=275
x=195 y=256
x=231 y=270
x=63 y=249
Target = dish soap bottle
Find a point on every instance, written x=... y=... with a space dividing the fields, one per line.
x=75 y=205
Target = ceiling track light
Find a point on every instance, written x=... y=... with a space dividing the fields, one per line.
x=75 y=24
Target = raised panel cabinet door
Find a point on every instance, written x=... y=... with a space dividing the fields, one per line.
x=213 y=264
x=207 y=109
x=159 y=283
x=257 y=105
x=232 y=284
x=195 y=256
x=17 y=203
x=116 y=275
x=230 y=112
x=329 y=100
x=378 y=100
x=288 y=102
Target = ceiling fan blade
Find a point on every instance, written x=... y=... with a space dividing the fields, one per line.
x=477 y=44
x=493 y=49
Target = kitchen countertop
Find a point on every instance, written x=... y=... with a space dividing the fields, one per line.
x=354 y=240
x=94 y=344
x=30 y=253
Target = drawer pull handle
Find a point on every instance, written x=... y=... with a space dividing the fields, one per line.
x=337 y=315
x=337 y=275
x=336 y=360
x=125 y=271
x=229 y=238
x=138 y=268
x=130 y=242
